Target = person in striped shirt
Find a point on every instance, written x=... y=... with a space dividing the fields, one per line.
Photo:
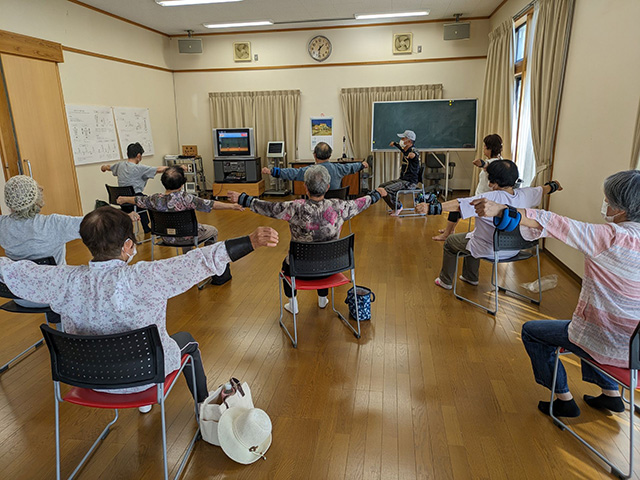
x=608 y=309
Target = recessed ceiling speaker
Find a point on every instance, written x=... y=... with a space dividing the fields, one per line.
x=190 y=45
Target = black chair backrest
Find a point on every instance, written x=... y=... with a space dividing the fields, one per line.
x=511 y=241
x=174 y=224
x=115 y=192
x=421 y=172
x=433 y=163
x=340 y=193
x=4 y=290
x=634 y=349
x=322 y=258
x=121 y=360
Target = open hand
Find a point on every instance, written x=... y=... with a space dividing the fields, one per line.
x=266 y=170
x=487 y=208
x=264 y=237
x=134 y=216
x=233 y=196
x=381 y=191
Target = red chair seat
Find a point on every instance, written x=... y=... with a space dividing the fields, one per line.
x=622 y=375
x=91 y=398
x=334 y=280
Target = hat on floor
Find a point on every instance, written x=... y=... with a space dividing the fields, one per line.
x=410 y=134
x=244 y=434
x=20 y=193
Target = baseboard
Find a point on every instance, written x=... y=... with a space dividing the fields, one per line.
x=563 y=267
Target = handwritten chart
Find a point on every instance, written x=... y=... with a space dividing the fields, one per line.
x=133 y=126
x=93 y=134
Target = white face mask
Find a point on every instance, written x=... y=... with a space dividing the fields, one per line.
x=403 y=143
x=604 y=209
x=130 y=256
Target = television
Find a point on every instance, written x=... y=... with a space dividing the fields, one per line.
x=234 y=142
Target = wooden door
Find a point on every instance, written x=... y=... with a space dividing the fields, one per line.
x=39 y=122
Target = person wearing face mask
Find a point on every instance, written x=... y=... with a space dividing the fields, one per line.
x=503 y=175
x=99 y=298
x=409 y=172
x=608 y=309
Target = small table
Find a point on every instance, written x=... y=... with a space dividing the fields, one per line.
x=352 y=180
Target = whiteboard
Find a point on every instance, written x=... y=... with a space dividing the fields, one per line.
x=133 y=126
x=93 y=134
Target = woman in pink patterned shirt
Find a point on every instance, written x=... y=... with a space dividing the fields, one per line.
x=608 y=309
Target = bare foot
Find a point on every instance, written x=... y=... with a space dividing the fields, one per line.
x=440 y=238
x=441 y=230
x=397 y=212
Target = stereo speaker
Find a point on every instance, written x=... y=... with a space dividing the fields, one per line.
x=190 y=45
x=457 y=31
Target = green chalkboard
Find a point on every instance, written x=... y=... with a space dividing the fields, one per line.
x=438 y=124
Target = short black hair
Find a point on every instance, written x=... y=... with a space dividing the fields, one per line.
x=494 y=143
x=503 y=173
x=322 y=151
x=173 y=178
x=104 y=232
x=134 y=149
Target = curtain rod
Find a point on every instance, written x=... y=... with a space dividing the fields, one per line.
x=524 y=9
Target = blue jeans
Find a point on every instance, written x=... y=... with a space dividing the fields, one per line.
x=541 y=338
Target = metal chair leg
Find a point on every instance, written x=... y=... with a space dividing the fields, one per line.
x=294 y=341
x=35 y=346
x=465 y=299
x=355 y=332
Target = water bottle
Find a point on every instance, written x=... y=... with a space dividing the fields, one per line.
x=227 y=391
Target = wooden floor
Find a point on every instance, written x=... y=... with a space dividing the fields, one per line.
x=434 y=389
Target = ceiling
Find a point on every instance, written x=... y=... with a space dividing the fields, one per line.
x=284 y=13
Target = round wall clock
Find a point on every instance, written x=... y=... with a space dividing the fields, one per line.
x=319 y=48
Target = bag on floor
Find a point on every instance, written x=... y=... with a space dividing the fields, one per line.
x=214 y=406
x=365 y=298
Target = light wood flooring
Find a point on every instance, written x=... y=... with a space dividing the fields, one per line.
x=435 y=388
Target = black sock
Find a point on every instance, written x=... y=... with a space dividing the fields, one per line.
x=561 y=408
x=615 y=404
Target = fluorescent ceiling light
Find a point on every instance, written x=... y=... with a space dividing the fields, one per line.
x=239 y=24
x=178 y=3
x=360 y=16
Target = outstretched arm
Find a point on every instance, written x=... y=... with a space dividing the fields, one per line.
x=279 y=210
x=123 y=200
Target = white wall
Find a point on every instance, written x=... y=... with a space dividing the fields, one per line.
x=320 y=87
x=94 y=81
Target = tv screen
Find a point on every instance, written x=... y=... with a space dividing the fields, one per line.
x=233 y=142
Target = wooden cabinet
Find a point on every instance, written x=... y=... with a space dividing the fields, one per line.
x=352 y=180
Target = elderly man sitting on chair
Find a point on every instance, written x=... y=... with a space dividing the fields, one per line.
x=315 y=219
x=97 y=299
x=175 y=199
x=503 y=175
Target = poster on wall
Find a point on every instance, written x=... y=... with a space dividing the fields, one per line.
x=321 y=131
x=133 y=126
x=93 y=134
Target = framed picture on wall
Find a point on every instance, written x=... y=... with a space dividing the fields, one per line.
x=402 y=43
x=242 y=51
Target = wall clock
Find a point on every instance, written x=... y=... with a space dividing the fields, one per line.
x=319 y=48
x=242 y=51
x=402 y=43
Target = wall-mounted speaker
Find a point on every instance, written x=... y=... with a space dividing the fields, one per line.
x=190 y=45
x=457 y=31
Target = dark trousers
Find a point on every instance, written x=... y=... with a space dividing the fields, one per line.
x=144 y=217
x=454 y=217
x=392 y=189
x=323 y=292
x=188 y=345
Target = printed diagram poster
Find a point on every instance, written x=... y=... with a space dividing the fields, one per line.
x=133 y=126
x=321 y=131
x=93 y=134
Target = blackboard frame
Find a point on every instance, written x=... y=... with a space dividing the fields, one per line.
x=387 y=148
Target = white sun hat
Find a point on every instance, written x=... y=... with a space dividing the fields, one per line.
x=244 y=434
x=410 y=134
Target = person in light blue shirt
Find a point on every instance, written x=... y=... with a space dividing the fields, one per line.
x=321 y=154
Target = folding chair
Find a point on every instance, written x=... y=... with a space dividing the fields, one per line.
x=13 y=307
x=436 y=163
x=341 y=194
x=627 y=378
x=504 y=241
x=419 y=190
x=115 y=192
x=175 y=224
x=322 y=259
x=108 y=362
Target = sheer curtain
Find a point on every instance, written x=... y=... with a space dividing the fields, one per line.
x=496 y=111
x=357 y=107
x=635 y=149
x=273 y=115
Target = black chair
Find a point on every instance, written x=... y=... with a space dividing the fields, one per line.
x=115 y=192
x=436 y=163
x=505 y=241
x=12 y=307
x=109 y=362
x=339 y=193
x=322 y=259
x=419 y=190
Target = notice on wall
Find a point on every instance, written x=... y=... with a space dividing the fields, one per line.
x=133 y=126
x=93 y=134
x=321 y=131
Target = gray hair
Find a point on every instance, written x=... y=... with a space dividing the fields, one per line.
x=622 y=190
x=317 y=180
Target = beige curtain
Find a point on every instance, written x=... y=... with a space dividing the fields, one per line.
x=272 y=114
x=496 y=112
x=357 y=109
x=635 y=149
x=548 y=61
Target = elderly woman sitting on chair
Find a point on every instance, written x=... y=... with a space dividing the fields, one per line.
x=608 y=309
x=315 y=219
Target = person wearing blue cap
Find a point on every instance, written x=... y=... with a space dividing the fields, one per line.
x=409 y=172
